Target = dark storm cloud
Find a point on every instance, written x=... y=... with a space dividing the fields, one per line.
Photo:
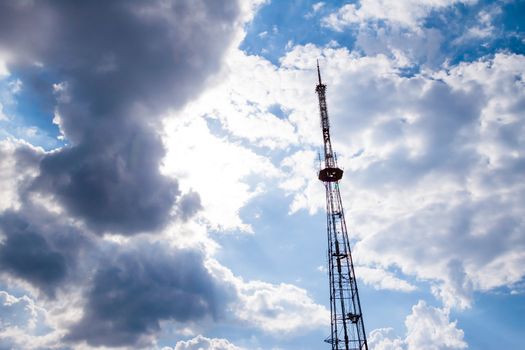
x=137 y=289
x=39 y=249
x=28 y=255
x=111 y=69
x=128 y=289
x=120 y=65
x=115 y=186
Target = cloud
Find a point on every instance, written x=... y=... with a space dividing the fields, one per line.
x=432 y=164
x=431 y=161
x=3 y=116
x=472 y=205
x=115 y=186
x=18 y=312
x=299 y=166
x=28 y=255
x=129 y=291
x=121 y=70
x=4 y=72
x=18 y=166
x=189 y=205
x=202 y=343
x=137 y=288
x=282 y=308
x=427 y=328
x=21 y=322
x=410 y=47
x=107 y=180
x=278 y=309
x=231 y=171
x=406 y=12
x=380 y=339
x=316 y=8
x=112 y=76
x=40 y=248
x=430 y=328
x=382 y=279
x=483 y=29
x=421 y=33
x=38 y=245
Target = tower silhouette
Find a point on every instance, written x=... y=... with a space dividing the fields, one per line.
x=347 y=326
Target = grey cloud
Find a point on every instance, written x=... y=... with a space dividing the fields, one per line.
x=202 y=343
x=122 y=64
x=137 y=289
x=120 y=55
x=29 y=256
x=26 y=157
x=36 y=245
x=38 y=248
x=113 y=186
x=189 y=205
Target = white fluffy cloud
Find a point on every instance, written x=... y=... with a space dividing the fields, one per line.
x=381 y=339
x=202 y=343
x=431 y=161
x=428 y=328
x=405 y=12
x=17 y=312
x=24 y=324
x=278 y=309
x=4 y=71
x=431 y=166
x=471 y=196
x=382 y=279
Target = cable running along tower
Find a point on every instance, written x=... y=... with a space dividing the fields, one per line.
x=347 y=327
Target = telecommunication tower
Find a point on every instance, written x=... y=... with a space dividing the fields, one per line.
x=347 y=326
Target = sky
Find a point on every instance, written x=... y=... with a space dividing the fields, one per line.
x=158 y=172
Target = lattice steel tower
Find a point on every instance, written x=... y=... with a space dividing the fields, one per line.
x=347 y=327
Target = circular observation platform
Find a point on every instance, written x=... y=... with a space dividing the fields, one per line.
x=330 y=174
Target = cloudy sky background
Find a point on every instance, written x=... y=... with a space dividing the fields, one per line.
x=158 y=172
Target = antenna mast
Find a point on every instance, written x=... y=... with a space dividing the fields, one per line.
x=347 y=326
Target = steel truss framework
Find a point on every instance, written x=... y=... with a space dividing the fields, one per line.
x=347 y=326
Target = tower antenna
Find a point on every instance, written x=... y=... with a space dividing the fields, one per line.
x=346 y=317
x=318 y=72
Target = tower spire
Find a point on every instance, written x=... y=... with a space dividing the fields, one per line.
x=319 y=73
x=346 y=321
